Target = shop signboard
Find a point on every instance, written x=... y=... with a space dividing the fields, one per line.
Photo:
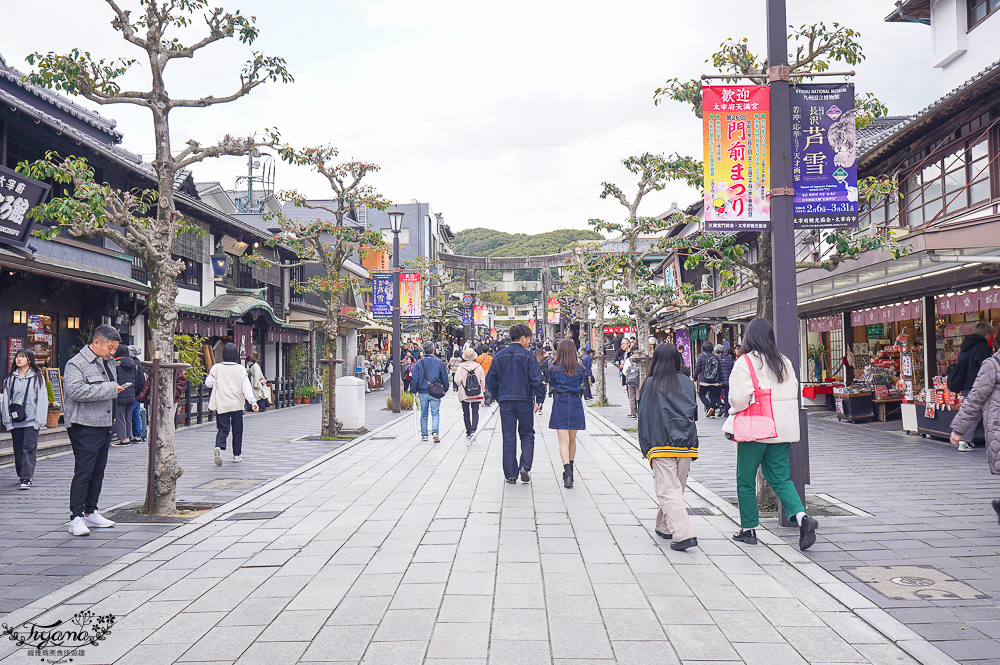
x=553 y=310
x=14 y=344
x=477 y=314
x=466 y=316
x=966 y=302
x=619 y=330
x=381 y=294
x=857 y=319
x=243 y=336
x=683 y=340
x=737 y=157
x=945 y=304
x=824 y=157
x=18 y=195
x=409 y=295
x=824 y=324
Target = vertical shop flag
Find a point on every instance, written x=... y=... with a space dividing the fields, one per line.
x=466 y=315
x=381 y=294
x=824 y=156
x=553 y=310
x=477 y=315
x=409 y=294
x=737 y=157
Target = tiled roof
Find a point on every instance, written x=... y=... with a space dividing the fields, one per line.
x=880 y=127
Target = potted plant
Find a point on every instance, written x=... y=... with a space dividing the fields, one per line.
x=300 y=394
x=53 y=415
x=816 y=354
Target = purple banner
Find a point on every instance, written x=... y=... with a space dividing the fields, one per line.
x=967 y=302
x=683 y=339
x=945 y=304
x=381 y=294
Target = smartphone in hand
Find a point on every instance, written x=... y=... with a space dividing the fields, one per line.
x=125 y=385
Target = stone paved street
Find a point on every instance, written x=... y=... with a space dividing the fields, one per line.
x=37 y=555
x=389 y=550
x=924 y=504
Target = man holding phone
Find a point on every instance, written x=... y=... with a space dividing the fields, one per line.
x=89 y=392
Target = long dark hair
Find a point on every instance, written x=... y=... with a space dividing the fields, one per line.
x=566 y=357
x=759 y=337
x=30 y=355
x=664 y=370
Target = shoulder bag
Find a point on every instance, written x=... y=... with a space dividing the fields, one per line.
x=756 y=422
x=18 y=414
x=434 y=388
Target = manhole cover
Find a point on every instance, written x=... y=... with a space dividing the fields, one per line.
x=231 y=484
x=258 y=515
x=915 y=583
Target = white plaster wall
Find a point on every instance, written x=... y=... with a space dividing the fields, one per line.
x=188 y=297
x=961 y=53
x=138 y=333
x=271 y=360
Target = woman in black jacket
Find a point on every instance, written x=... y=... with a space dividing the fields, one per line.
x=128 y=373
x=668 y=437
x=975 y=350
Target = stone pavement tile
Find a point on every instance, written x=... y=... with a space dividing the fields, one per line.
x=222 y=643
x=470 y=583
x=820 y=643
x=255 y=612
x=620 y=596
x=786 y=612
x=459 y=640
x=852 y=628
x=571 y=639
x=151 y=615
x=577 y=608
x=721 y=597
x=186 y=627
x=680 y=610
x=948 y=630
x=360 y=610
x=417 y=596
x=964 y=650
x=272 y=653
x=886 y=654
x=466 y=609
x=654 y=652
x=632 y=624
x=519 y=652
x=423 y=573
x=518 y=596
x=339 y=643
x=700 y=642
x=406 y=625
x=519 y=624
x=658 y=584
x=153 y=654
x=769 y=654
x=395 y=653
x=294 y=626
x=568 y=584
x=281 y=587
x=745 y=626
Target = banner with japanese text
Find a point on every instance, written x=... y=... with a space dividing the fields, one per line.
x=553 y=310
x=477 y=314
x=824 y=156
x=381 y=294
x=466 y=315
x=18 y=195
x=737 y=157
x=409 y=294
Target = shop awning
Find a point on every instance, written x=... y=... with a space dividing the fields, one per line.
x=234 y=305
x=373 y=327
x=48 y=266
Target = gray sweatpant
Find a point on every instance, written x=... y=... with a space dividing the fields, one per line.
x=123 y=421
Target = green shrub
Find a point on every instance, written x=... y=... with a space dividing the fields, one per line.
x=190 y=350
x=405 y=401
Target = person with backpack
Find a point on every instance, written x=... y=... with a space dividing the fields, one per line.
x=726 y=361
x=258 y=383
x=453 y=364
x=430 y=382
x=25 y=404
x=974 y=351
x=128 y=374
x=515 y=380
x=760 y=375
x=983 y=403
x=567 y=379
x=668 y=438
x=543 y=366
x=708 y=375
x=630 y=375
x=231 y=390
x=587 y=362
x=470 y=379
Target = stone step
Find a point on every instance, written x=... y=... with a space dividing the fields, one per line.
x=50 y=441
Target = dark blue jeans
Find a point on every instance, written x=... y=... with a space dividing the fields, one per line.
x=517 y=418
x=137 y=432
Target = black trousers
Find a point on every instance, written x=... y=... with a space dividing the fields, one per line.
x=226 y=421
x=25 y=441
x=90 y=452
x=725 y=398
x=517 y=418
x=710 y=396
x=470 y=410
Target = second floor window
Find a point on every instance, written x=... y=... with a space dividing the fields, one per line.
x=980 y=9
x=190 y=275
x=946 y=185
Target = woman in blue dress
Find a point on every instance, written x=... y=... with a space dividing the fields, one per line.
x=566 y=382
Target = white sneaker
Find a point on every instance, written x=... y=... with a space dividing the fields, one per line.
x=77 y=527
x=96 y=520
x=236 y=458
x=964 y=447
x=218 y=456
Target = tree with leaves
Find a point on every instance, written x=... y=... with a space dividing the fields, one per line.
x=145 y=222
x=817 y=47
x=328 y=241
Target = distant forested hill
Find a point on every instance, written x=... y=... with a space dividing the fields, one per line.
x=487 y=242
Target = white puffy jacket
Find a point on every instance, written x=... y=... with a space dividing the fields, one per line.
x=784 y=396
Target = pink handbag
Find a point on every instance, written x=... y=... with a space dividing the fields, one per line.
x=756 y=422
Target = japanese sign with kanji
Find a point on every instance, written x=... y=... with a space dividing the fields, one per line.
x=824 y=156
x=381 y=294
x=477 y=314
x=553 y=310
x=18 y=195
x=409 y=294
x=737 y=158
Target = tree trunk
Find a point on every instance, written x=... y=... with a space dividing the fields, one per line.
x=331 y=328
x=163 y=323
x=766 y=498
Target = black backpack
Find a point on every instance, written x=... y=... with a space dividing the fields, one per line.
x=471 y=385
x=712 y=371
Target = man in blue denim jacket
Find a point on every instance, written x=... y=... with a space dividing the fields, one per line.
x=515 y=380
x=429 y=369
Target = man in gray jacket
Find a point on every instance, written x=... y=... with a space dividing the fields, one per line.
x=89 y=391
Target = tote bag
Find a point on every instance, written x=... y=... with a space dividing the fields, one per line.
x=756 y=422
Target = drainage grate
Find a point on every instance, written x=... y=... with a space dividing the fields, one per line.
x=703 y=511
x=915 y=583
x=258 y=515
x=381 y=438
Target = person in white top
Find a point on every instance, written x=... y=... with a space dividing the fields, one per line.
x=231 y=389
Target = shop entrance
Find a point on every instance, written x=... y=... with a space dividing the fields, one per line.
x=42 y=338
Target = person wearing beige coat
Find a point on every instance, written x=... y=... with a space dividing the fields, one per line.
x=776 y=373
x=470 y=403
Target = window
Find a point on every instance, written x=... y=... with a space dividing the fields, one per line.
x=190 y=274
x=879 y=212
x=941 y=187
x=980 y=9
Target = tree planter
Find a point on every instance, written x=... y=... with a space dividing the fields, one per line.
x=52 y=418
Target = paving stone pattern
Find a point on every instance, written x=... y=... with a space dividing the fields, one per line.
x=37 y=555
x=397 y=551
x=929 y=506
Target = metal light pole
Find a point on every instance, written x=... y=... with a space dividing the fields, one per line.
x=786 y=317
x=396 y=223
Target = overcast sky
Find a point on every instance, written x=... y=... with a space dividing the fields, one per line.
x=504 y=115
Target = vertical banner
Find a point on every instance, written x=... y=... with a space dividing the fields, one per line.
x=466 y=315
x=477 y=315
x=531 y=324
x=381 y=294
x=824 y=156
x=683 y=339
x=242 y=335
x=737 y=157
x=409 y=294
x=553 y=310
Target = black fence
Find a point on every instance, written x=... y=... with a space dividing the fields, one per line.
x=193 y=406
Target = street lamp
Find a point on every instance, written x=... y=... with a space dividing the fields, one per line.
x=220 y=261
x=396 y=224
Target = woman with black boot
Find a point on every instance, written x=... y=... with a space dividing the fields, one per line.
x=566 y=381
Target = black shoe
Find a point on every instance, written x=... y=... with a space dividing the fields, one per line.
x=120 y=444
x=746 y=536
x=996 y=507
x=682 y=545
x=711 y=413
x=525 y=476
x=807 y=532
x=513 y=480
x=665 y=536
x=25 y=484
x=568 y=475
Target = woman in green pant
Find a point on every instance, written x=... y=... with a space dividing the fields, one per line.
x=774 y=372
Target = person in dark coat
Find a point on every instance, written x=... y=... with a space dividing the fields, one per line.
x=128 y=374
x=975 y=350
x=726 y=361
x=587 y=361
x=567 y=380
x=515 y=380
x=668 y=438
